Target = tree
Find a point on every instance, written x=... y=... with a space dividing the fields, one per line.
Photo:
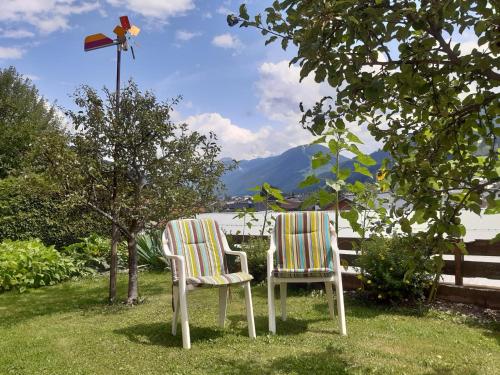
x=399 y=68
x=139 y=168
x=24 y=116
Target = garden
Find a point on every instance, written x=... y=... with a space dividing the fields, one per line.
x=90 y=275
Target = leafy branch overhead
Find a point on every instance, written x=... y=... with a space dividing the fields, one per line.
x=422 y=76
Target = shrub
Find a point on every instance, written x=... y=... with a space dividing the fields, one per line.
x=95 y=252
x=149 y=250
x=32 y=206
x=256 y=249
x=31 y=264
x=396 y=269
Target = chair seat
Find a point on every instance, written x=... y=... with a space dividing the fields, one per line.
x=217 y=280
x=311 y=272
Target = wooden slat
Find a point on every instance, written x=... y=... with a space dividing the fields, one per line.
x=483 y=247
x=474 y=269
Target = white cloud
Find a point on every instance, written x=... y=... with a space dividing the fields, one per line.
x=226 y=41
x=47 y=15
x=184 y=35
x=16 y=33
x=11 y=53
x=32 y=77
x=280 y=93
x=241 y=143
x=159 y=9
x=223 y=10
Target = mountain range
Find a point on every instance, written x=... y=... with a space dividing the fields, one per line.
x=287 y=170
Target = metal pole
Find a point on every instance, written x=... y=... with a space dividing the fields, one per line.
x=118 y=64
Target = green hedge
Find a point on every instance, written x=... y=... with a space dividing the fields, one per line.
x=32 y=207
x=31 y=264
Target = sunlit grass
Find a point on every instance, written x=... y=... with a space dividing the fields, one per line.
x=69 y=329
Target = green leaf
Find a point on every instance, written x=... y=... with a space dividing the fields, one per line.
x=319 y=159
x=244 y=12
x=310 y=180
x=365 y=159
x=363 y=170
x=353 y=138
x=405 y=225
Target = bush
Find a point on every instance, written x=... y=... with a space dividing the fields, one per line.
x=32 y=207
x=396 y=269
x=256 y=249
x=94 y=252
x=31 y=264
x=149 y=250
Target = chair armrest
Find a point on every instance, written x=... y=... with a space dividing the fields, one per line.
x=270 y=260
x=177 y=258
x=243 y=258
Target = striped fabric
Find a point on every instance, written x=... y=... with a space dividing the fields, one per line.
x=303 y=246
x=200 y=242
x=226 y=279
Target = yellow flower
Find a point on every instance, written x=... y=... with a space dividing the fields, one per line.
x=381 y=174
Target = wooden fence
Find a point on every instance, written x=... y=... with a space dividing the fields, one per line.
x=459 y=267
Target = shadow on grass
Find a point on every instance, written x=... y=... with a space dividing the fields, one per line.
x=330 y=361
x=290 y=327
x=159 y=334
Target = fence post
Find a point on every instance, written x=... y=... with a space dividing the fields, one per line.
x=459 y=258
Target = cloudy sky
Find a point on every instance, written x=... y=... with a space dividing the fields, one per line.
x=231 y=83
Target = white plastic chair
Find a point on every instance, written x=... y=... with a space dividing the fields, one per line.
x=197 y=249
x=304 y=250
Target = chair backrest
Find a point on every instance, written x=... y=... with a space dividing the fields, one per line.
x=200 y=241
x=302 y=241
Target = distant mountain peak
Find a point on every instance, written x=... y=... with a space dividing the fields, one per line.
x=284 y=171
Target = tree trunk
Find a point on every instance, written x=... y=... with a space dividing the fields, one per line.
x=113 y=270
x=133 y=294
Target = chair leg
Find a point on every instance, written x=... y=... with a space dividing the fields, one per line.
x=223 y=290
x=330 y=299
x=283 y=300
x=340 y=306
x=270 y=304
x=249 y=306
x=175 y=318
x=186 y=337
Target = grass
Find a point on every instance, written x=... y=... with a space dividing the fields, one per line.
x=69 y=329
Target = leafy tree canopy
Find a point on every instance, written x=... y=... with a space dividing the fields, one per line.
x=137 y=167
x=24 y=116
x=399 y=68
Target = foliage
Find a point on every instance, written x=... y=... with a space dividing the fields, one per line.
x=149 y=249
x=256 y=249
x=135 y=166
x=25 y=119
x=32 y=206
x=94 y=252
x=403 y=70
x=381 y=340
x=31 y=264
x=397 y=269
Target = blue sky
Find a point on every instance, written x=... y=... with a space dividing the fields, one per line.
x=231 y=83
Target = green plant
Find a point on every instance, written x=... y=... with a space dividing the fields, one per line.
x=398 y=268
x=94 y=252
x=33 y=206
x=256 y=249
x=149 y=250
x=31 y=264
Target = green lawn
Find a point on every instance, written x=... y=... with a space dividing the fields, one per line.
x=69 y=329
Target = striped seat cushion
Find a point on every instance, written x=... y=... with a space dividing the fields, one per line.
x=303 y=247
x=200 y=242
x=315 y=272
x=225 y=279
